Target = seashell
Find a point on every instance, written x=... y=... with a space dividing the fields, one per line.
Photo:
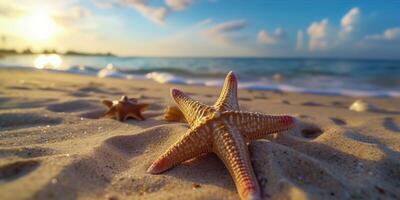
x=173 y=114
x=362 y=106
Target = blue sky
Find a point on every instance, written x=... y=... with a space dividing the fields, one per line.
x=359 y=29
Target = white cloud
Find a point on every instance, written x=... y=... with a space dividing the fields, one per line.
x=178 y=5
x=317 y=33
x=226 y=27
x=155 y=14
x=300 y=40
x=198 y=40
x=349 y=20
x=391 y=34
x=388 y=34
x=225 y=32
x=264 y=37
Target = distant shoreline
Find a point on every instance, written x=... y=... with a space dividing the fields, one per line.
x=4 y=52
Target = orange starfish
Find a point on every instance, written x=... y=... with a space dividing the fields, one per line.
x=224 y=130
x=124 y=108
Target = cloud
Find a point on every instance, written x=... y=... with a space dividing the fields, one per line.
x=264 y=37
x=388 y=34
x=225 y=32
x=103 y=4
x=349 y=20
x=155 y=14
x=317 y=33
x=300 y=40
x=178 y=5
x=226 y=27
x=69 y=16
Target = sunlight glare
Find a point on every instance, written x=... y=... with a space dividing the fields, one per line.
x=39 y=25
x=47 y=61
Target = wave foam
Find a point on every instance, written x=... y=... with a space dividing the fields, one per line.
x=165 y=78
x=110 y=71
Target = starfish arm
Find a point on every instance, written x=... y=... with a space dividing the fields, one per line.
x=192 y=144
x=253 y=125
x=228 y=97
x=135 y=115
x=124 y=98
x=135 y=111
x=231 y=148
x=107 y=103
x=191 y=109
x=121 y=115
x=110 y=112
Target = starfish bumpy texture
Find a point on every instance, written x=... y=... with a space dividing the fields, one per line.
x=124 y=108
x=224 y=130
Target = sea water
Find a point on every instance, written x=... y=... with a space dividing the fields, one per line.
x=351 y=77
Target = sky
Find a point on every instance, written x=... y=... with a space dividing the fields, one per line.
x=212 y=28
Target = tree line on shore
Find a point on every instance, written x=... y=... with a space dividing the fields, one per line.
x=28 y=51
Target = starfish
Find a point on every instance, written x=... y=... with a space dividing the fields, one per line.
x=224 y=130
x=124 y=108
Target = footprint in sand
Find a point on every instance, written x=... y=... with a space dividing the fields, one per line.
x=392 y=124
x=311 y=103
x=311 y=133
x=13 y=120
x=307 y=130
x=12 y=171
x=95 y=114
x=338 y=121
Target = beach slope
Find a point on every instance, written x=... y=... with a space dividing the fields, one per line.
x=53 y=145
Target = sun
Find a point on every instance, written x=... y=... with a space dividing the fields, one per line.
x=39 y=25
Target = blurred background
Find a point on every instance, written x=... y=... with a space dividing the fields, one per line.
x=332 y=48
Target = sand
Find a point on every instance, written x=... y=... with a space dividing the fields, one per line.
x=54 y=146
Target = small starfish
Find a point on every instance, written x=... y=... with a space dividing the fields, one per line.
x=124 y=108
x=224 y=130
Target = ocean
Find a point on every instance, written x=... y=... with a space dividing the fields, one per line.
x=349 y=77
